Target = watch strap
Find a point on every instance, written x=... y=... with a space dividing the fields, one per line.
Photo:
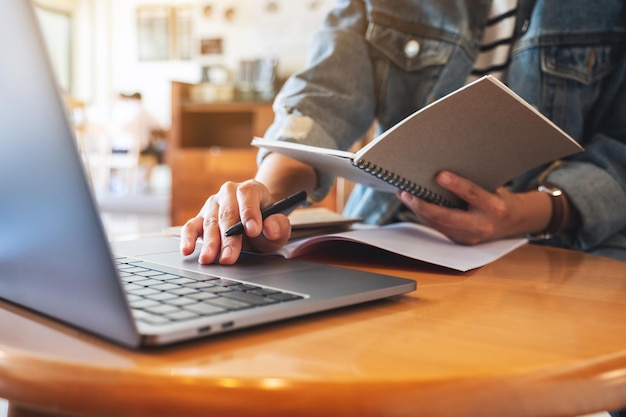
x=557 y=220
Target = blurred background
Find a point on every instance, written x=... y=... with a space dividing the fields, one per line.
x=165 y=95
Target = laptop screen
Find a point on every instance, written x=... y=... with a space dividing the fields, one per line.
x=49 y=223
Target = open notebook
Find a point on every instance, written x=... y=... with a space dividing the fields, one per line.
x=315 y=228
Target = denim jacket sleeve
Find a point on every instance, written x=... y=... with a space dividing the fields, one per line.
x=335 y=93
x=595 y=181
x=571 y=64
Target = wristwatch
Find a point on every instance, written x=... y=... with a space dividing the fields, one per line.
x=557 y=197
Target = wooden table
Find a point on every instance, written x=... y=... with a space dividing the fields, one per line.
x=541 y=332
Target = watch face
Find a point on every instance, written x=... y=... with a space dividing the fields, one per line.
x=553 y=191
x=558 y=200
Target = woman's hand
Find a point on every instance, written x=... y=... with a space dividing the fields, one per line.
x=235 y=202
x=489 y=216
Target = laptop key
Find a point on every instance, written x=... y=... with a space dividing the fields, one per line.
x=244 y=287
x=182 y=315
x=133 y=297
x=161 y=296
x=150 y=318
x=181 y=301
x=199 y=296
x=183 y=291
x=218 y=290
x=145 y=291
x=162 y=309
x=229 y=304
x=204 y=309
x=263 y=291
x=284 y=296
x=199 y=284
x=164 y=286
x=144 y=303
x=176 y=279
x=222 y=282
x=146 y=282
x=150 y=273
x=131 y=287
x=134 y=269
x=253 y=299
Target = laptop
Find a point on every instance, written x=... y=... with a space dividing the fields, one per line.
x=55 y=258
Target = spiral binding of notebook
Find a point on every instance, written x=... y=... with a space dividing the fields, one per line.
x=404 y=184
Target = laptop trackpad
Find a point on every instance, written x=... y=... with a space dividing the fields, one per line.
x=165 y=251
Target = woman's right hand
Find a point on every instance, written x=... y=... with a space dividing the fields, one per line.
x=235 y=202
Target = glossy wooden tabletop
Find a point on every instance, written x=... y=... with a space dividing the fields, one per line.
x=541 y=332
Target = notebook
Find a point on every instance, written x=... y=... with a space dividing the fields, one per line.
x=482 y=131
x=55 y=258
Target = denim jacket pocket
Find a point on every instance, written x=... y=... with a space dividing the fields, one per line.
x=572 y=81
x=408 y=51
x=586 y=64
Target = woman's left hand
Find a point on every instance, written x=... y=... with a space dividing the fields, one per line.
x=489 y=216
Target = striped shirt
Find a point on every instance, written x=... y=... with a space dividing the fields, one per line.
x=493 y=57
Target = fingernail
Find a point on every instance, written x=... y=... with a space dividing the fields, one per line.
x=272 y=228
x=444 y=178
x=407 y=197
x=203 y=259
x=251 y=225
x=226 y=252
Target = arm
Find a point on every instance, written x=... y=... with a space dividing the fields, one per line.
x=331 y=103
x=595 y=180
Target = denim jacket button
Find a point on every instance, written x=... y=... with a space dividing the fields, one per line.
x=411 y=48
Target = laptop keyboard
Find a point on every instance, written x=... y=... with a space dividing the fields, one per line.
x=158 y=297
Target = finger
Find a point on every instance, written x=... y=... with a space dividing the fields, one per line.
x=277 y=228
x=251 y=197
x=234 y=202
x=276 y=232
x=458 y=225
x=467 y=190
x=432 y=214
x=211 y=240
x=189 y=234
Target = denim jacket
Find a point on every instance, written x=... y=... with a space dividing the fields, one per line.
x=568 y=60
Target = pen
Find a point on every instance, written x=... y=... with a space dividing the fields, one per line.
x=280 y=206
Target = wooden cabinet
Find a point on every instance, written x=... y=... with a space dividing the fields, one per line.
x=209 y=145
x=198 y=173
x=223 y=124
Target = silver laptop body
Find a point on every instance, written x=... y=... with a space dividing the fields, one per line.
x=54 y=255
